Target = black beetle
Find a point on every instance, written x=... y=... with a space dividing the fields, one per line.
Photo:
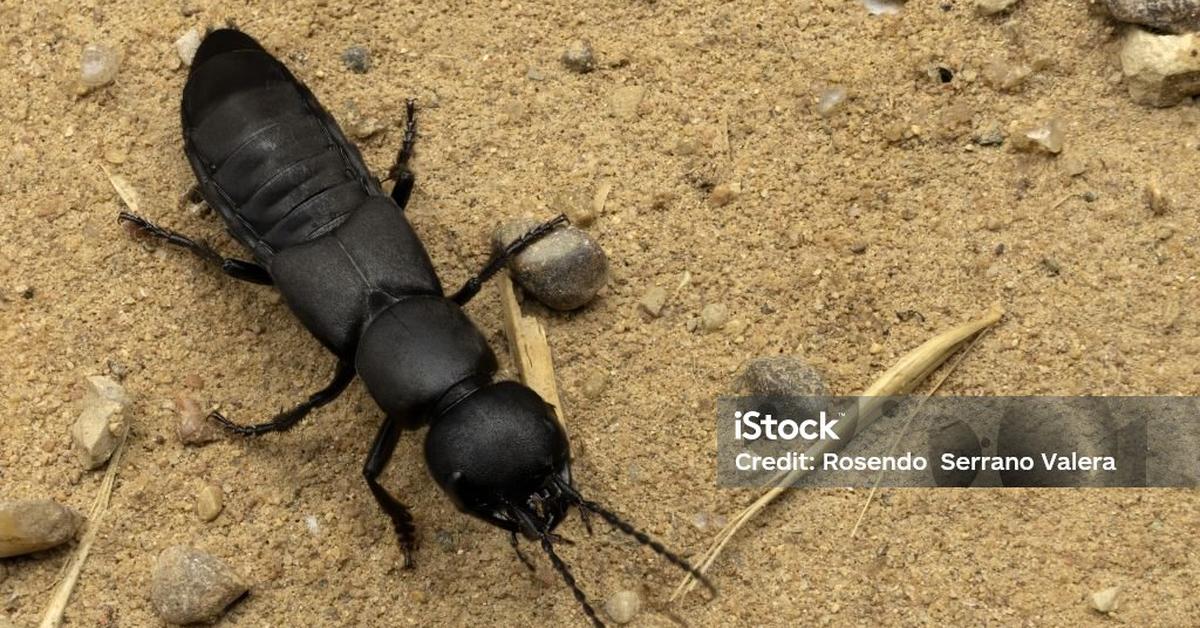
x=296 y=192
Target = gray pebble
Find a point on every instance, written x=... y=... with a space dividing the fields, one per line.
x=99 y=427
x=357 y=59
x=564 y=270
x=780 y=375
x=714 y=316
x=34 y=525
x=1173 y=16
x=623 y=606
x=98 y=65
x=653 y=301
x=190 y=586
x=579 y=56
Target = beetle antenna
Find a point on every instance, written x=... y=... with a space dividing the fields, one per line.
x=645 y=539
x=565 y=572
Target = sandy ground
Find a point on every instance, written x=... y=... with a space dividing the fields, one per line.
x=732 y=85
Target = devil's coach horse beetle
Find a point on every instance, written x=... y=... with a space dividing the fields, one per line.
x=296 y=192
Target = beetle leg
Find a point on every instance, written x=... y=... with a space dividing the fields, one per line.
x=471 y=288
x=286 y=420
x=400 y=170
x=236 y=268
x=381 y=453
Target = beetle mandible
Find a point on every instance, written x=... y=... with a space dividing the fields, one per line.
x=294 y=191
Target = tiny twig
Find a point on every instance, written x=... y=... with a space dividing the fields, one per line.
x=908 y=423
x=530 y=351
x=58 y=602
x=911 y=370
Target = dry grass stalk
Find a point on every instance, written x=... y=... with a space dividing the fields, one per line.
x=911 y=370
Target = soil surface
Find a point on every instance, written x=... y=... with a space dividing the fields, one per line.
x=854 y=237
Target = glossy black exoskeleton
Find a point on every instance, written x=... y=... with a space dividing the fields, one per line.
x=294 y=191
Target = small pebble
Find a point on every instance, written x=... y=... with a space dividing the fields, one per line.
x=595 y=384
x=780 y=376
x=653 y=301
x=714 y=316
x=623 y=606
x=194 y=428
x=564 y=270
x=989 y=134
x=1105 y=601
x=724 y=194
x=357 y=59
x=190 y=586
x=579 y=57
x=884 y=7
x=1172 y=16
x=858 y=247
x=98 y=65
x=34 y=525
x=187 y=45
x=831 y=100
x=209 y=502
x=99 y=426
x=1074 y=166
x=992 y=7
x=626 y=101
x=1156 y=199
x=1046 y=137
x=1160 y=70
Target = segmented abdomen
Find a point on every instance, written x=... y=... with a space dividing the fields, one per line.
x=267 y=155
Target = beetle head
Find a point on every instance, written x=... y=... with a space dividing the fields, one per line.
x=500 y=454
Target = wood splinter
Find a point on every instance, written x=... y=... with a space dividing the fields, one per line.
x=529 y=349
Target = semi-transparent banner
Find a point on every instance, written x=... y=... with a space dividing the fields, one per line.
x=958 y=441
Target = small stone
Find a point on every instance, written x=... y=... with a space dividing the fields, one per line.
x=875 y=348
x=564 y=269
x=780 y=376
x=1156 y=199
x=989 y=133
x=1172 y=16
x=994 y=224
x=1051 y=266
x=884 y=7
x=209 y=502
x=357 y=59
x=98 y=65
x=1104 y=601
x=194 y=427
x=34 y=525
x=992 y=7
x=579 y=57
x=1045 y=137
x=858 y=247
x=187 y=45
x=190 y=586
x=100 y=424
x=714 y=316
x=626 y=101
x=1160 y=70
x=653 y=301
x=724 y=194
x=114 y=156
x=623 y=606
x=1074 y=166
x=831 y=100
x=595 y=384
x=535 y=74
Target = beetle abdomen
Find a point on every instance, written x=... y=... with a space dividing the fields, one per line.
x=268 y=157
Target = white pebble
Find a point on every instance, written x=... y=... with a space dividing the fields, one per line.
x=831 y=100
x=98 y=65
x=623 y=606
x=1105 y=601
x=187 y=45
x=313 y=525
x=884 y=7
